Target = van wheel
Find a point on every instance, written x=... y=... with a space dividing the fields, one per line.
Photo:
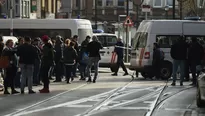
x=113 y=68
x=166 y=71
x=147 y=75
x=199 y=102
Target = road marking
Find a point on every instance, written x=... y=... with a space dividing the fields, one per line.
x=41 y=102
x=19 y=113
x=131 y=108
x=79 y=106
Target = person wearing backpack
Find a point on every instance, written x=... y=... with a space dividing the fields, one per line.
x=158 y=57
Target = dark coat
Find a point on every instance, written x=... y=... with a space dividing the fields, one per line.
x=156 y=57
x=119 y=51
x=48 y=54
x=70 y=55
x=27 y=54
x=11 y=53
x=195 y=52
x=179 y=51
x=93 y=49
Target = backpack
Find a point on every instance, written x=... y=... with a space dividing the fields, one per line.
x=161 y=55
x=85 y=58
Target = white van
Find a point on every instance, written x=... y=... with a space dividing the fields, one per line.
x=5 y=38
x=108 y=41
x=165 y=32
x=38 y=27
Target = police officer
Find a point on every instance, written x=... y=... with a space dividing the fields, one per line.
x=120 y=54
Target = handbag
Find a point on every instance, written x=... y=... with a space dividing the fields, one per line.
x=4 y=62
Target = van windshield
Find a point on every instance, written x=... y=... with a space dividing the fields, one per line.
x=106 y=40
x=140 y=40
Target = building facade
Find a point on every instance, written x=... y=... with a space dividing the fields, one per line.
x=21 y=8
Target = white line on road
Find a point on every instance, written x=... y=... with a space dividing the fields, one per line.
x=41 y=102
x=19 y=113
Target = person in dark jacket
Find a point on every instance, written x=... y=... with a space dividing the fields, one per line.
x=179 y=55
x=82 y=60
x=47 y=62
x=120 y=55
x=70 y=57
x=93 y=50
x=156 y=63
x=58 y=58
x=76 y=47
x=27 y=56
x=195 y=55
x=37 y=65
x=11 y=70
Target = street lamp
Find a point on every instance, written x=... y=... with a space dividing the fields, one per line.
x=166 y=8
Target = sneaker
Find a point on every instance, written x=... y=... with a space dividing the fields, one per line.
x=94 y=81
x=31 y=92
x=193 y=84
x=22 y=92
x=173 y=84
x=14 y=92
x=125 y=74
x=89 y=81
x=57 y=81
x=44 y=91
x=115 y=74
x=6 y=92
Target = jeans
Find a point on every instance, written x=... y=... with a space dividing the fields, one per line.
x=83 y=71
x=95 y=61
x=36 y=78
x=176 y=65
x=27 y=75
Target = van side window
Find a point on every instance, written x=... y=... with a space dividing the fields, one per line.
x=165 y=41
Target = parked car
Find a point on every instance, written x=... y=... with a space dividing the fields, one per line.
x=200 y=96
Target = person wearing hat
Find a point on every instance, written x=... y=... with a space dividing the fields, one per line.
x=47 y=63
x=36 y=78
x=27 y=56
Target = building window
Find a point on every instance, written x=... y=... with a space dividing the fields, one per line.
x=200 y=3
x=99 y=3
x=121 y=3
x=170 y=3
x=109 y=2
x=157 y=3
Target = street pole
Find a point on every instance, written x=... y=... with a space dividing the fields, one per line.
x=56 y=8
x=127 y=35
x=137 y=16
x=181 y=5
x=166 y=14
x=173 y=15
x=79 y=5
x=96 y=21
x=11 y=16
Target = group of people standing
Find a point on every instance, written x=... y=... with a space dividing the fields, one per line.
x=187 y=57
x=32 y=61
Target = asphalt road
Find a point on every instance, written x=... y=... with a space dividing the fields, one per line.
x=110 y=96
